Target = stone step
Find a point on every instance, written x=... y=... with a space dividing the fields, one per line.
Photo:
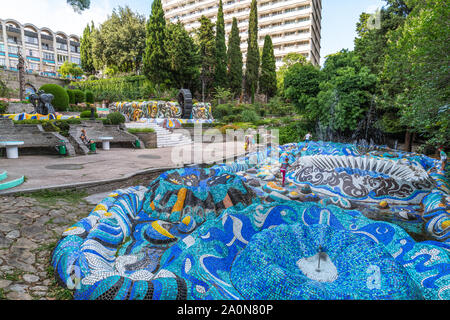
x=164 y=138
x=11 y=181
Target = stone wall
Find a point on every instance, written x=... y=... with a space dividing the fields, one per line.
x=11 y=78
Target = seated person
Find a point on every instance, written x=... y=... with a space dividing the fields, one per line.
x=85 y=139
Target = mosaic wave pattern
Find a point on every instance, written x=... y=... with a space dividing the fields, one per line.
x=363 y=178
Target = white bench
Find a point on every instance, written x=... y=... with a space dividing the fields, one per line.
x=105 y=142
x=12 y=150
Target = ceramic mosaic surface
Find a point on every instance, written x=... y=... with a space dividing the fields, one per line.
x=233 y=232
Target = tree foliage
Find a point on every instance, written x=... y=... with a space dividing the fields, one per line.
x=70 y=69
x=220 y=72
x=252 y=64
x=268 y=78
x=87 y=59
x=120 y=41
x=183 y=56
x=156 y=65
x=234 y=60
x=206 y=43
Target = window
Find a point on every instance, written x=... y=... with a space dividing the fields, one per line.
x=48 y=56
x=61 y=46
x=75 y=60
x=34 y=66
x=74 y=49
x=12 y=40
x=46 y=46
x=2 y=62
x=13 y=50
x=33 y=53
x=62 y=58
x=31 y=40
x=2 y=47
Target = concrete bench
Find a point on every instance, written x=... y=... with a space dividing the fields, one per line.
x=12 y=148
x=105 y=142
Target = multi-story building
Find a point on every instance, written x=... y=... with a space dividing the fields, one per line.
x=44 y=51
x=294 y=25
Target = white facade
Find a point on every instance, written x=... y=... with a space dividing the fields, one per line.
x=44 y=51
x=294 y=25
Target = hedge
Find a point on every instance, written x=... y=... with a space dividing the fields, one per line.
x=61 y=97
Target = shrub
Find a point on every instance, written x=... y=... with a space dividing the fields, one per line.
x=3 y=106
x=71 y=96
x=80 y=97
x=87 y=114
x=116 y=118
x=89 y=96
x=61 y=97
x=222 y=110
x=249 y=115
x=141 y=130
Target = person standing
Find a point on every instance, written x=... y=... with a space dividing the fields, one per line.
x=308 y=136
x=283 y=170
x=443 y=155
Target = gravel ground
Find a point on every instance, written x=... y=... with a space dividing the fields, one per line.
x=30 y=227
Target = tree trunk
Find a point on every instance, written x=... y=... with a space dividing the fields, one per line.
x=408 y=141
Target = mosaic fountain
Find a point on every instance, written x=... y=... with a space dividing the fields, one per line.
x=232 y=232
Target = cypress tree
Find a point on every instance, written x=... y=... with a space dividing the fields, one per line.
x=87 y=60
x=234 y=60
x=206 y=42
x=155 y=57
x=252 y=64
x=220 y=68
x=268 y=78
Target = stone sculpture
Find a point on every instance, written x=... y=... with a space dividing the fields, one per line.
x=42 y=103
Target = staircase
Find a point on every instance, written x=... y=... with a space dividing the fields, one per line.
x=9 y=182
x=164 y=137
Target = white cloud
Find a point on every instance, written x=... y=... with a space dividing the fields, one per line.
x=55 y=14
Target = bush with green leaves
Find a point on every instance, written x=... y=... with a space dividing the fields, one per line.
x=87 y=114
x=61 y=97
x=71 y=96
x=116 y=118
x=80 y=96
x=89 y=96
x=249 y=115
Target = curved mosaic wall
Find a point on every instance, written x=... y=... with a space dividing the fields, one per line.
x=136 y=111
x=35 y=116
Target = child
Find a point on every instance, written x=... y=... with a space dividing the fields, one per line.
x=308 y=136
x=443 y=155
x=283 y=169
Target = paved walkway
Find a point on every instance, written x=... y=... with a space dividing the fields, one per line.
x=49 y=171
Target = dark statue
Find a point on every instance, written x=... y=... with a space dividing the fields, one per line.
x=42 y=102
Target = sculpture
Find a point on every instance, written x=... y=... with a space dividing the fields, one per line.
x=41 y=102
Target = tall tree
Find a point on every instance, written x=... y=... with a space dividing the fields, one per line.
x=252 y=64
x=156 y=66
x=206 y=42
x=268 y=78
x=234 y=60
x=416 y=74
x=87 y=60
x=120 y=41
x=220 y=68
x=79 y=5
x=183 y=56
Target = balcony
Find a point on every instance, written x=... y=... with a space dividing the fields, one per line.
x=13 y=29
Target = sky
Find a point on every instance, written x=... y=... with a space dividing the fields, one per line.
x=339 y=17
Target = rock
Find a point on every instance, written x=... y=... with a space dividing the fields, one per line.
x=30 y=278
x=13 y=234
x=18 y=296
x=4 y=242
x=18 y=288
x=4 y=283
